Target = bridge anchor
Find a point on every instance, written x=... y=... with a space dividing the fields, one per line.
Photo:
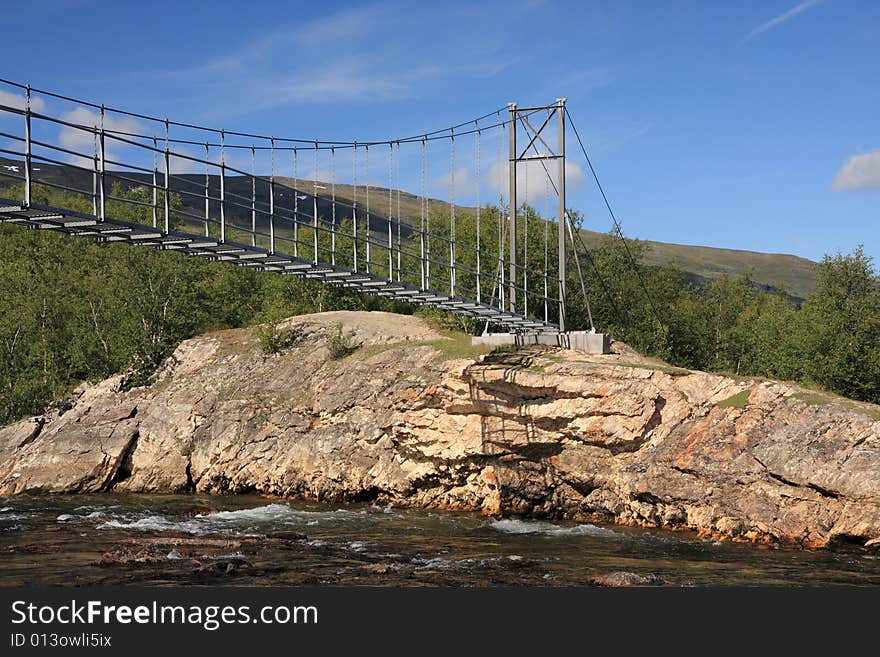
x=587 y=341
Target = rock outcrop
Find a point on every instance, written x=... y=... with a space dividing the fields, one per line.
x=416 y=418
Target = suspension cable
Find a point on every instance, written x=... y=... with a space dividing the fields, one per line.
x=452 y=213
x=422 y=212
x=333 y=205
x=427 y=217
x=207 y=191
x=354 y=247
x=577 y=261
x=390 y=211
x=367 y=185
x=501 y=222
x=253 y=197
x=526 y=211
x=479 y=259
x=316 y=253
x=399 y=218
x=567 y=223
x=614 y=219
x=546 y=247
x=233 y=133
x=272 y=197
x=295 y=204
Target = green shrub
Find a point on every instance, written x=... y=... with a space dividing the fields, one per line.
x=274 y=339
x=342 y=344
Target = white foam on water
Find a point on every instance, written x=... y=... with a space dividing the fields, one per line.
x=153 y=524
x=239 y=522
x=64 y=517
x=439 y=563
x=511 y=526
x=7 y=517
x=231 y=555
x=267 y=513
x=7 y=509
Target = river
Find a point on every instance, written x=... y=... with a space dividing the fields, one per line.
x=255 y=541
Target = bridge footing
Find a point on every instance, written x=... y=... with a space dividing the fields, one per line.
x=592 y=343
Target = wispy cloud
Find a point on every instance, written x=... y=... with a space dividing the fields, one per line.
x=859 y=172
x=783 y=17
x=354 y=55
x=17 y=101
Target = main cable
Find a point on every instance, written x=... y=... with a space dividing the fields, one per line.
x=614 y=219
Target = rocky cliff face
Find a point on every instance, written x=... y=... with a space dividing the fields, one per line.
x=417 y=419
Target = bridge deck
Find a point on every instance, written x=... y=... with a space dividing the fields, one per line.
x=113 y=230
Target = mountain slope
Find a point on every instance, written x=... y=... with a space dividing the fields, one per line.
x=700 y=263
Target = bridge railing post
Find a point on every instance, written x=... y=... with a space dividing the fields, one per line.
x=253 y=196
x=399 y=220
x=452 y=270
x=367 y=251
x=295 y=203
x=333 y=205
x=155 y=195
x=354 y=206
x=102 y=178
x=207 y=190
x=222 y=185
x=167 y=185
x=27 y=146
x=272 y=197
x=390 y=211
x=315 y=207
x=512 y=277
x=560 y=102
x=95 y=174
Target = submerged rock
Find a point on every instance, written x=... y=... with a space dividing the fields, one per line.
x=406 y=420
x=624 y=578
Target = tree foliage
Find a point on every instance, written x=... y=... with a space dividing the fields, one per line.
x=73 y=310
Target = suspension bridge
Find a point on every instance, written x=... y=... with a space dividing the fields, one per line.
x=317 y=210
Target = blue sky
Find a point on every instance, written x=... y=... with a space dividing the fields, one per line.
x=752 y=125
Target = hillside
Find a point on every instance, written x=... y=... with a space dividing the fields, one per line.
x=700 y=263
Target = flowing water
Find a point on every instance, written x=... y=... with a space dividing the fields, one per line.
x=246 y=540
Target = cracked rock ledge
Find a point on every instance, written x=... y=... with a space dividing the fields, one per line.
x=539 y=433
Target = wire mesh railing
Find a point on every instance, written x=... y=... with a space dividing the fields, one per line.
x=121 y=167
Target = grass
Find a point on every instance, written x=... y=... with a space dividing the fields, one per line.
x=816 y=398
x=227 y=392
x=655 y=365
x=454 y=346
x=739 y=400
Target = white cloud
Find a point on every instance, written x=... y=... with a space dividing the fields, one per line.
x=17 y=101
x=859 y=172
x=83 y=140
x=532 y=182
x=783 y=17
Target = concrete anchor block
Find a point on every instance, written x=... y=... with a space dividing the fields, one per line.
x=592 y=343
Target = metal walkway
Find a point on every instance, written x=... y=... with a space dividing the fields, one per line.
x=39 y=217
x=108 y=176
